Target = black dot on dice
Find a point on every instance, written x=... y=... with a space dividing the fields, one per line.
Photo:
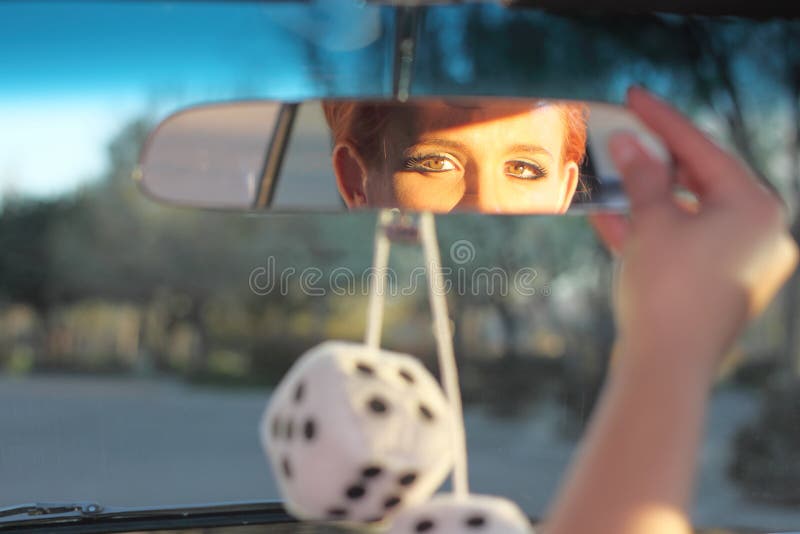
x=337 y=513
x=405 y=375
x=476 y=521
x=299 y=391
x=424 y=525
x=355 y=491
x=378 y=406
x=287 y=468
x=426 y=413
x=309 y=429
x=289 y=429
x=407 y=479
x=371 y=471
x=391 y=502
x=365 y=369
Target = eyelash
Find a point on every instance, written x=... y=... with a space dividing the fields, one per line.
x=539 y=170
x=414 y=162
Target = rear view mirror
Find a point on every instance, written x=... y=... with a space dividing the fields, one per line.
x=475 y=155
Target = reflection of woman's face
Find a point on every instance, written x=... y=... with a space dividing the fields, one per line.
x=506 y=157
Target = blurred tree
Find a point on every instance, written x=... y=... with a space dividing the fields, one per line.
x=766 y=459
x=115 y=244
x=24 y=252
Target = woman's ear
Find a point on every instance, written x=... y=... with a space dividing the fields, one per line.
x=569 y=183
x=351 y=174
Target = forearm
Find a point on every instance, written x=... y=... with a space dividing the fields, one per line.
x=634 y=472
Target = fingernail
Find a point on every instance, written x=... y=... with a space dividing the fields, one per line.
x=624 y=148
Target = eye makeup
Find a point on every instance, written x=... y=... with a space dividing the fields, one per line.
x=524 y=170
x=432 y=163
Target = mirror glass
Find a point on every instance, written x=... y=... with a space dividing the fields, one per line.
x=209 y=156
x=482 y=155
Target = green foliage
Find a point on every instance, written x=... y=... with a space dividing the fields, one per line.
x=25 y=270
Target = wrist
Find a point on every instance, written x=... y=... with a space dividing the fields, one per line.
x=698 y=332
x=665 y=357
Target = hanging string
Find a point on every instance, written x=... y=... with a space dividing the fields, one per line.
x=444 y=345
x=441 y=326
x=380 y=262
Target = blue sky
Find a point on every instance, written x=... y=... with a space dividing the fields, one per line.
x=73 y=73
x=49 y=147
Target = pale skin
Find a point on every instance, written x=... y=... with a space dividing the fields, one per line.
x=506 y=157
x=689 y=280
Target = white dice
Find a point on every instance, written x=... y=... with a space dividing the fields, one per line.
x=357 y=434
x=448 y=514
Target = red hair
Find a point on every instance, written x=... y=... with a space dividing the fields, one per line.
x=362 y=125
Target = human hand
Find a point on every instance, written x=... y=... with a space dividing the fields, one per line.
x=690 y=278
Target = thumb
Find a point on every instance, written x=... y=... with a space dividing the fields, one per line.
x=646 y=179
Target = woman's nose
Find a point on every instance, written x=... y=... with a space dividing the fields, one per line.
x=480 y=193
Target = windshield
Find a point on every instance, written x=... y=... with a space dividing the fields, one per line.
x=139 y=343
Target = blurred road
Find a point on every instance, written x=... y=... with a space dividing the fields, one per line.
x=138 y=442
x=128 y=442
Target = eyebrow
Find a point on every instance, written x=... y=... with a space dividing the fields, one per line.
x=448 y=143
x=530 y=148
x=457 y=145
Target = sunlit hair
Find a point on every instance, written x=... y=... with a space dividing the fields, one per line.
x=362 y=125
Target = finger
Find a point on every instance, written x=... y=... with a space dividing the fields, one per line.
x=646 y=179
x=612 y=229
x=714 y=171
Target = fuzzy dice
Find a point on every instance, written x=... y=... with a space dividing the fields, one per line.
x=473 y=514
x=357 y=434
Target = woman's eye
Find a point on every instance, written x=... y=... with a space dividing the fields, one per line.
x=524 y=170
x=430 y=164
